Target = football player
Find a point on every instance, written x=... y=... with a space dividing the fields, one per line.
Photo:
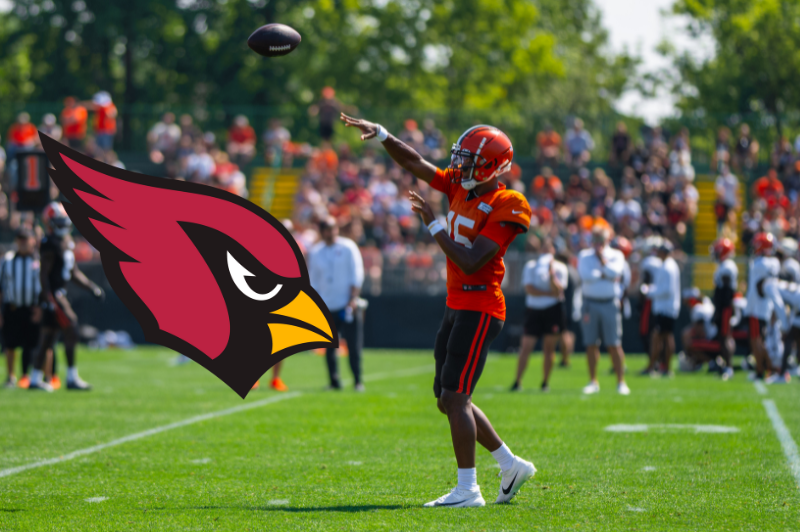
x=648 y=267
x=726 y=276
x=790 y=268
x=483 y=219
x=57 y=269
x=790 y=293
x=699 y=337
x=763 y=298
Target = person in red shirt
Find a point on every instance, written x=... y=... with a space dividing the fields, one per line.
x=483 y=219
x=241 y=141
x=73 y=120
x=105 y=120
x=21 y=135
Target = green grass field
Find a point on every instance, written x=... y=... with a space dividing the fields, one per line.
x=313 y=460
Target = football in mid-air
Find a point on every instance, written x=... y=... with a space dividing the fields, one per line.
x=274 y=40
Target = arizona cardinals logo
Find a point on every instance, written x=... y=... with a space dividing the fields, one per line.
x=205 y=272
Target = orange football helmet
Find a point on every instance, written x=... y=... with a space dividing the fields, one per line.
x=723 y=249
x=623 y=244
x=763 y=244
x=481 y=153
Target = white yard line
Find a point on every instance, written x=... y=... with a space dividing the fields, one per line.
x=787 y=442
x=760 y=387
x=192 y=420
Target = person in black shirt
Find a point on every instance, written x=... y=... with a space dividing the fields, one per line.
x=57 y=268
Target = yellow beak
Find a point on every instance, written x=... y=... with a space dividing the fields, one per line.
x=303 y=309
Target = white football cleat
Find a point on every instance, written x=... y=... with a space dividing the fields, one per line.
x=514 y=478
x=459 y=498
x=591 y=388
x=623 y=389
x=727 y=374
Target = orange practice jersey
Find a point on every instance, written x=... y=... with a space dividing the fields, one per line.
x=499 y=215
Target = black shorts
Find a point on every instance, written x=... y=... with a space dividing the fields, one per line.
x=55 y=317
x=461 y=347
x=540 y=322
x=18 y=328
x=664 y=323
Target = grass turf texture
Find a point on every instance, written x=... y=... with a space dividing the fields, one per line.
x=347 y=461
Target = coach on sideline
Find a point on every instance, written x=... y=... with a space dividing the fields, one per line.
x=336 y=271
x=600 y=267
x=19 y=292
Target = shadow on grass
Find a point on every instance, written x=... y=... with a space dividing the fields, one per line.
x=11 y=510
x=292 y=509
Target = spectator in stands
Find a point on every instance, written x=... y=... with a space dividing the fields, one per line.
x=73 y=119
x=241 y=141
x=199 y=165
x=327 y=110
x=188 y=127
x=276 y=138
x=620 y=146
x=727 y=188
x=162 y=143
x=792 y=183
x=2 y=159
x=433 y=140
x=722 y=150
x=105 y=120
x=745 y=153
x=603 y=191
x=783 y=157
x=548 y=143
x=21 y=135
x=112 y=159
x=627 y=210
x=412 y=136
x=50 y=127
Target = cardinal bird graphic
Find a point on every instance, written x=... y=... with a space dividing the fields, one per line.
x=205 y=272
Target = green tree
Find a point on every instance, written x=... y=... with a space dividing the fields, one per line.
x=756 y=65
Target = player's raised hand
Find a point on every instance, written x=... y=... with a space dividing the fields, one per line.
x=418 y=204
x=368 y=129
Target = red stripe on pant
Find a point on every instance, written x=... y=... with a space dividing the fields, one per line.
x=644 y=323
x=471 y=352
x=478 y=355
x=726 y=321
x=706 y=345
x=755 y=328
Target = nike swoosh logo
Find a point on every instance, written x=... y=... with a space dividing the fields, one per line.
x=507 y=491
x=515 y=212
x=452 y=503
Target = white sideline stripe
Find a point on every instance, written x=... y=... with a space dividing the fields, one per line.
x=760 y=387
x=787 y=442
x=192 y=420
x=146 y=433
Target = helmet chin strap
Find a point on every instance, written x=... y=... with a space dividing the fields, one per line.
x=469 y=184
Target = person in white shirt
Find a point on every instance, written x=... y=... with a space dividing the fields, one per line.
x=727 y=188
x=648 y=267
x=726 y=277
x=600 y=268
x=666 y=295
x=336 y=272
x=790 y=268
x=790 y=293
x=699 y=337
x=763 y=298
x=545 y=317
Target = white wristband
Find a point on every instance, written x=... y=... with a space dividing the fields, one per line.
x=382 y=134
x=435 y=227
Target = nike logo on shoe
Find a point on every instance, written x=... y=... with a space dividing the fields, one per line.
x=451 y=503
x=515 y=212
x=507 y=491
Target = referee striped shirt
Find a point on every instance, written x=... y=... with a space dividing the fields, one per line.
x=19 y=280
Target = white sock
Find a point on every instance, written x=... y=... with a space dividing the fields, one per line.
x=467 y=479
x=36 y=376
x=504 y=457
x=72 y=374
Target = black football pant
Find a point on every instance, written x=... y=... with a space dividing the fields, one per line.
x=353 y=334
